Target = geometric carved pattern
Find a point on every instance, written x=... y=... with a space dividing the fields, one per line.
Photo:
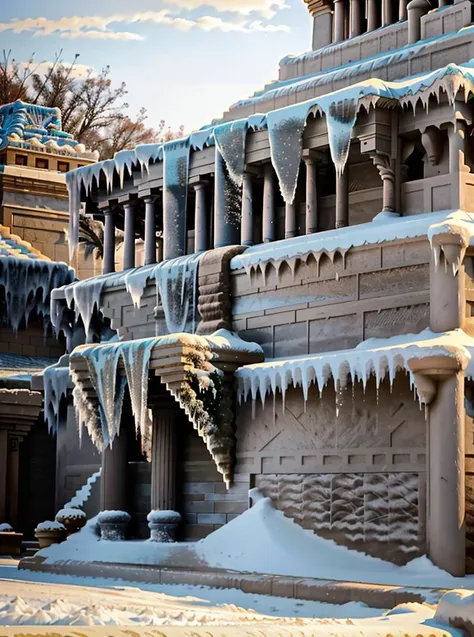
x=377 y=513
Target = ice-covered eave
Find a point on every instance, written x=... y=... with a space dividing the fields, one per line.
x=381 y=229
x=380 y=358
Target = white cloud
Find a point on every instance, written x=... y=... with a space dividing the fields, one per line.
x=78 y=71
x=100 y=27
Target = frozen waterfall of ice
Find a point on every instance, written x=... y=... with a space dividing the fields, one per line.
x=57 y=380
x=175 y=194
x=28 y=284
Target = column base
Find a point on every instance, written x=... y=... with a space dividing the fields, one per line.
x=163 y=525
x=113 y=525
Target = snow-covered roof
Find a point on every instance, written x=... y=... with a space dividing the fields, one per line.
x=38 y=127
x=21 y=367
x=285 y=130
x=11 y=245
x=378 y=357
x=384 y=227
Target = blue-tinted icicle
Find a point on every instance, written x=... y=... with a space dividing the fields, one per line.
x=175 y=192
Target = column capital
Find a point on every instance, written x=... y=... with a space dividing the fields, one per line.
x=128 y=200
x=200 y=185
x=427 y=371
x=311 y=156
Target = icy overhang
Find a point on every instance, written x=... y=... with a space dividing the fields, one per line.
x=190 y=367
x=331 y=242
x=377 y=357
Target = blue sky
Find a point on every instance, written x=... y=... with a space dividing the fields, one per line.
x=183 y=60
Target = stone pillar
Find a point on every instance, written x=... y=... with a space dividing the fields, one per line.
x=355 y=18
x=447 y=281
x=108 y=262
x=201 y=217
x=339 y=18
x=311 y=196
x=129 y=232
x=322 y=28
x=416 y=9
x=373 y=15
x=113 y=480
x=387 y=13
x=342 y=199
x=150 y=230
x=268 y=221
x=3 y=473
x=402 y=9
x=457 y=147
x=446 y=532
x=13 y=477
x=384 y=164
x=246 y=230
x=290 y=220
x=163 y=459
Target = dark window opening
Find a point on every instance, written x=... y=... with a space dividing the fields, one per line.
x=21 y=160
x=63 y=166
x=42 y=163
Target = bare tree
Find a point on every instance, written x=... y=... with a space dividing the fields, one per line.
x=93 y=110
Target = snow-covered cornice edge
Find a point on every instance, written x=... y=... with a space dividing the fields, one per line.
x=331 y=242
x=378 y=357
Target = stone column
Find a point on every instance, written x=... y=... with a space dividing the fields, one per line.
x=3 y=473
x=268 y=221
x=311 y=196
x=447 y=281
x=402 y=9
x=387 y=13
x=373 y=15
x=443 y=376
x=339 y=10
x=201 y=217
x=416 y=9
x=129 y=232
x=290 y=220
x=457 y=147
x=342 y=199
x=113 y=480
x=384 y=164
x=355 y=18
x=322 y=28
x=150 y=230
x=246 y=230
x=163 y=459
x=108 y=262
x=13 y=477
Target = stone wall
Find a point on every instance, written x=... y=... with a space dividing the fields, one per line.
x=375 y=291
x=31 y=342
x=352 y=472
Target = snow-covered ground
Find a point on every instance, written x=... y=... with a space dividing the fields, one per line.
x=261 y=540
x=42 y=599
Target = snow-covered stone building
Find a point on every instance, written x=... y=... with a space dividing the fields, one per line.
x=35 y=154
x=302 y=323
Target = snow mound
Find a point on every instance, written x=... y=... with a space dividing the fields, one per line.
x=456 y=608
x=70 y=513
x=50 y=525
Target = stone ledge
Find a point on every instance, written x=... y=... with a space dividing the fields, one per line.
x=331 y=591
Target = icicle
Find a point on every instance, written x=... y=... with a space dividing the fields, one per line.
x=147 y=153
x=230 y=141
x=23 y=279
x=135 y=282
x=285 y=133
x=56 y=383
x=73 y=181
x=176 y=286
x=124 y=159
x=136 y=359
x=86 y=296
x=175 y=190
